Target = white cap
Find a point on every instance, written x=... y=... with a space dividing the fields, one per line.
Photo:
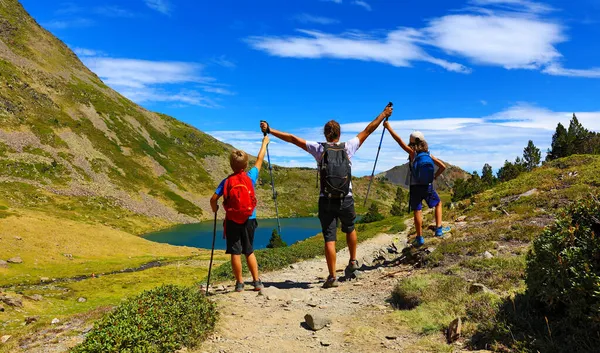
x=416 y=135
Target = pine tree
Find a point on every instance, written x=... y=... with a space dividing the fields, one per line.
x=398 y=205
x=577 y=137
x=276 y=241
x=531 y=156
x=487 y=176
x=559 y=144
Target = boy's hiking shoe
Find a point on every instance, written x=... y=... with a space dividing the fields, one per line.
x=239 y=286
x=331 y=282
x=418 y=242
x=258 y=285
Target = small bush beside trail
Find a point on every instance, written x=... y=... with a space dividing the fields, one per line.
x=159 y=320
x=563 y=267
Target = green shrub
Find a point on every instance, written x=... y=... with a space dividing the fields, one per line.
x=276 y=241
x=159 y=320
x=563 y=267
x=372 y=215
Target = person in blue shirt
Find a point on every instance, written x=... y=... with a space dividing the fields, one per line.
x=240 y=237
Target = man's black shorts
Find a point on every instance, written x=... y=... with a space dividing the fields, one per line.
x=329 y=213
x=240 y=237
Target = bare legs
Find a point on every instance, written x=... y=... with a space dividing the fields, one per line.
x=330 y=253
x=236 y=265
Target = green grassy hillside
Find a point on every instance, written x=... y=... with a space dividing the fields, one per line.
x=502 y=221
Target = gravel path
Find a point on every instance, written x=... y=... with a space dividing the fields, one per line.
x=274 y=321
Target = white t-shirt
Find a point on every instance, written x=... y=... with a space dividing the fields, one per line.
x=316 y=150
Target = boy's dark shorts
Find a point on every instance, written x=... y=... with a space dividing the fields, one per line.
x=418 y=193
x=240 y=237
x=329 y=213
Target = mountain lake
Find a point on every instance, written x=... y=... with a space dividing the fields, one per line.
x=199 y=235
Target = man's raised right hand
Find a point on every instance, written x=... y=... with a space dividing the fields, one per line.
x=387 y=112
x=264 y=127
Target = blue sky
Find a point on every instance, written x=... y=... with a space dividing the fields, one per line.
x=478 y=77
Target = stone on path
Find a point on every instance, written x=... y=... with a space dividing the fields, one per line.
x=55 y=321
x=81 y=300
x=5 y=338
x=15 y=260
x=325 y=343
x=454 y=330
x=461 y=219
x=316 y=322
x=44 y=279
x=488 y=255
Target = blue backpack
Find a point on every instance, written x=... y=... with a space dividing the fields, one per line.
x=423 y=169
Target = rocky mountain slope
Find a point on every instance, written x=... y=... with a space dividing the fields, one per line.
x=397 y=176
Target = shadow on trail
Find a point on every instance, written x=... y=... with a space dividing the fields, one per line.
x=289 y=285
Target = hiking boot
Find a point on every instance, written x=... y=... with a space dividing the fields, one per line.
x=418 y=242
x=331 y=282
x=258 y=285
x=239 y=286
x=439 y=232
x=351 y=270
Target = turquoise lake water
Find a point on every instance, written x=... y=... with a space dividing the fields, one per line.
x=199 y=235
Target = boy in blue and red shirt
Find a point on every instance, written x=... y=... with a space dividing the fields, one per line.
x=240 y=220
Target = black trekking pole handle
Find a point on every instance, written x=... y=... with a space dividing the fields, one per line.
x=268 y=131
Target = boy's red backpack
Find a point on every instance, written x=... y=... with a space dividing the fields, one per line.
x=239 y=198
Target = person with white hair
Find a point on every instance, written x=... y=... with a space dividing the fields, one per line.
x=421 y=176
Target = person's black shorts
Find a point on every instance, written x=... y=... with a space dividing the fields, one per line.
x=418 y=193
x=240 y=237
x=329 y=213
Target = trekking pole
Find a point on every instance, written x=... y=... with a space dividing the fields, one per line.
x=376 y=157
x=212 y=252
x=272 y=181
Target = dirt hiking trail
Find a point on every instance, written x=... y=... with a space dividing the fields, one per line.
x=273 y=321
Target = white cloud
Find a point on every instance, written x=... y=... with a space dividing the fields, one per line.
x=218 y=90
x=335 y=1
x=399 y=48
x=558 y=70
x=113 y=11
x=162 y=6
x=145 y=81
x=224 y=61
x=516 y=5
x=505 y=40
x=483 y=102
x=513 y=34
x=362 y=4
x=87 y=52
x=466 y=142
x=307 y=18
x=136 y=73
x=69 y=23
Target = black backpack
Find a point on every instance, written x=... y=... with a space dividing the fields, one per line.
x=335 y=170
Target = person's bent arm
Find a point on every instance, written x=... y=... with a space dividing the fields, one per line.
x=298 y=141
x=262 y=152
x=441 y=167
x=398 y=139
x=362 y=136
x=213 y=203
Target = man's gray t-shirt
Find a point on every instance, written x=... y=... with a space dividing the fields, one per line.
x=316 y=150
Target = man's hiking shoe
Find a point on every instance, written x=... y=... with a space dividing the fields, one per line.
x=331 y=282
x=239 y=286
x=351 y=270
x=258 y=285
x=418 y=242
